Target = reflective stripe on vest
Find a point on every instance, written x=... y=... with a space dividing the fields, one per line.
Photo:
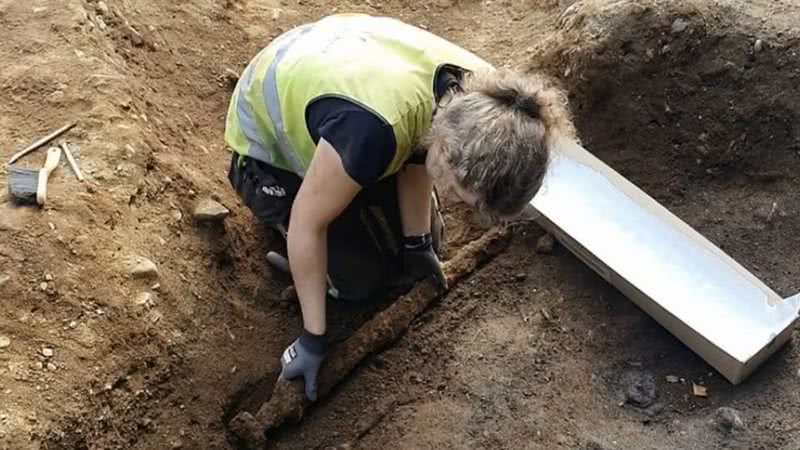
x=258 y=148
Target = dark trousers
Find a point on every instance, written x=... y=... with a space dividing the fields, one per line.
x=364 y=243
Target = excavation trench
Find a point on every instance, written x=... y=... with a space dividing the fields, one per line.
x=532 y=348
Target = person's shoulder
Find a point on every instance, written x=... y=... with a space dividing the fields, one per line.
x=364 y=141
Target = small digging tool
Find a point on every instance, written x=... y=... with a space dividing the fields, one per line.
x=41 y=142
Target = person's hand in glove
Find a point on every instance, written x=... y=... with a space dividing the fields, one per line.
x=420 y=261
x=303 y=357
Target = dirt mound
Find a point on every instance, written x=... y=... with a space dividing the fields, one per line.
x=693 y=101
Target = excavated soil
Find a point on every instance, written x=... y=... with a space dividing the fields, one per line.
x=694 y=101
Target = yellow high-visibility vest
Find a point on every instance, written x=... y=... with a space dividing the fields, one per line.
x=380 y=63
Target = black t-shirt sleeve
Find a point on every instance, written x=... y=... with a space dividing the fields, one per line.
x=365 y=143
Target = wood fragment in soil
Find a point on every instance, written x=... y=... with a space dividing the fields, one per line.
x=288 y=402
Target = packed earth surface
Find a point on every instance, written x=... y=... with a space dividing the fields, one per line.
x=139 y=312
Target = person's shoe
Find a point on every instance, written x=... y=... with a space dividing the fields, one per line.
x=280 y=262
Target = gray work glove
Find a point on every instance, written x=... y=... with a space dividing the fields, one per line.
x=303 y=357
x=420 y=261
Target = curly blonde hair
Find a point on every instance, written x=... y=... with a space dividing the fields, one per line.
x=496 y=136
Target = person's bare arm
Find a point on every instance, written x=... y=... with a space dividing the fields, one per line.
x=325 y=192
x=414 y=188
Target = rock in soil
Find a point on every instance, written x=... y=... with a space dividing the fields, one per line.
x=4 y=279
x=289 y=294
x=639 y=388
x=679 y=25
x=4 y=341
x=545 y=244
x=141 y=267
x=208 y=210
x=727 y=419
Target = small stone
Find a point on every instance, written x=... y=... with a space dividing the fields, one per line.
x=758 y=46
x=672 y=379
x=520 y=276
x=141 y=267
x=102 y=8
x=639 y=388
x=48 y=277
x=679 y=25
x=414 y=377
x=289 y=294
x=276 y=14
x=156 y=286
x=230 y=77
x=545 y=244
x=4 y=341
x=210 y=210
x=177 y=215
x=39 y=365
x=136 y=38
x=51 y=367
x=47 y=352
x=43 y=285
x=73 y=324
x=727 y=419
x=4 y=279
x=145 y=299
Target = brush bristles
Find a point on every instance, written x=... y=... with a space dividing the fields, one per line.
x=22 y=184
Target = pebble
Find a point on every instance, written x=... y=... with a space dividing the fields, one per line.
x=414 y=377
x=43 y=285
x=51 y=367
x=210 y=210
x=146 y=299
x=672 y=379
x=758 y=46
x=142 y=267
x=520 y=276
x=230 y=77
x=47 y=352
x=4 y=279
x=4 y=341
x=727 y=419
x=639 y=388
x=73 y=324
x=679 y=25
x=545 y=244
x=289 y=294
x=48 y=277
x=102 y=7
